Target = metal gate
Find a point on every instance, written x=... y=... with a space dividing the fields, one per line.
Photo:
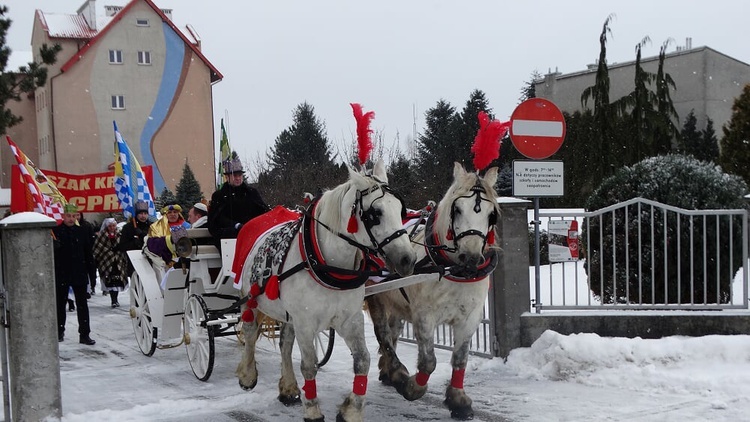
x=641 y=254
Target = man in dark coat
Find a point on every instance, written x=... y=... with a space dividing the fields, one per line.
x=234 y=204
x=73 y=261
x=91 y=230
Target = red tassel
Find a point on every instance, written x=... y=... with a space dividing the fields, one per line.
x=351 y=227
x=272 y=287
x=491 y=237
x=254 y=290
x=449 y=235
x=248 y=315
x=252 y=303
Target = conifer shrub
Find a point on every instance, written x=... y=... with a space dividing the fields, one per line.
x=627 y=268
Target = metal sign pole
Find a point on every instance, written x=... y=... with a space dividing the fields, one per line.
x=537 y=269
x=3 y=339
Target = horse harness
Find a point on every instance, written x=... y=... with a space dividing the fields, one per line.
x=313 y=261
x=437 y=260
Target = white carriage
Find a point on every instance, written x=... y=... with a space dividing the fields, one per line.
x=170 y=307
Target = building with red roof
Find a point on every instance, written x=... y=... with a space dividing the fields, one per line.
x=133 y=66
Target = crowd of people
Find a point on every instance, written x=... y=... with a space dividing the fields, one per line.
x=81 y=251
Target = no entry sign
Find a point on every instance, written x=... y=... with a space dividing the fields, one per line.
x=537 y=128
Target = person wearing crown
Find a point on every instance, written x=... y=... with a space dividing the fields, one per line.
x=234 y=204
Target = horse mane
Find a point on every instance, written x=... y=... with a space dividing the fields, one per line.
x=460 y=187
x=329 y=207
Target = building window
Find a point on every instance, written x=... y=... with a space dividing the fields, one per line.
x=118 y=102
x=144 y=57
x=115 y=56
x=141 y=22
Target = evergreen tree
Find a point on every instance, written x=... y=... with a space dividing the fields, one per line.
x=26 y=79
x=710 y=142
x=665 y=129
x=300 y=161
x=602 y=149
x=735 y=145
x=404 y=180
x=529 y=88
x=642 y=105
x=188 y=190
x=304 y=142
x=166 y=197
x=435 y=151
x=690 y=142
x=467 y=125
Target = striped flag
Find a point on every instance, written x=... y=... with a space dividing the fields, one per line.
x=224 y=154
x=47 y=198
x=130 y=183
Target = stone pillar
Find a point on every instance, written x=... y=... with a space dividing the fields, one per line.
x=29 y=279
x=510 y=292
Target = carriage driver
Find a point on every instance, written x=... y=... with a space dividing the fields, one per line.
x=234 y=204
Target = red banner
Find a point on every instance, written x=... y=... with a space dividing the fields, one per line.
x=91 y=192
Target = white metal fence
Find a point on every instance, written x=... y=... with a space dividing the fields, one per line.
x=641 y=254
x=638 y=254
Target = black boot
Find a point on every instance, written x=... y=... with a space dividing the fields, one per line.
x=113 y=296
x=85 y=339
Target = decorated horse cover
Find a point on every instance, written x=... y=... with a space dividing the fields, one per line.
x=255 y=230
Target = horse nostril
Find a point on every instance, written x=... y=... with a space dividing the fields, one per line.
x=462 y=257
x=406 y=262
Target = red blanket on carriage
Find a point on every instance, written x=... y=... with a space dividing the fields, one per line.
x=255 y=229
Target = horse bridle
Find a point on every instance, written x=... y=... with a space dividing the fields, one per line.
x=371 y=216
x=477 y=190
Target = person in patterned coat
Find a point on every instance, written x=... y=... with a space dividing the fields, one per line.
x=111 y=261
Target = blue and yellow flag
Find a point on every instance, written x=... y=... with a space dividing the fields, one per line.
x=130 y=182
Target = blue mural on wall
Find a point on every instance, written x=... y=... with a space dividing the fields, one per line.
x=175 y=54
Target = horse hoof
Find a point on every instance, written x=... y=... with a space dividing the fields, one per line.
x=340 y=418
x=249 y=387
x=385 y=379
x=320 y=419
x=464 y=413
x=289 y=399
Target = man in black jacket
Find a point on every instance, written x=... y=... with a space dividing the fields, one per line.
x=73 y=261
x=234 y=204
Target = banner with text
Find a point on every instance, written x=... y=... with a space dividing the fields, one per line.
x=91 y=192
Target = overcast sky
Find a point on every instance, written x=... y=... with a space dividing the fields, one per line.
x=394 y=56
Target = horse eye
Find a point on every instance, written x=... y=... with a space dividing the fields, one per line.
x=457 y=211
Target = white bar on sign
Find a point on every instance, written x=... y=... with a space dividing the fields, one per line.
x=537 y=128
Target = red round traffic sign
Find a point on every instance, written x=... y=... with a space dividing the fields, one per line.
x=537 y=128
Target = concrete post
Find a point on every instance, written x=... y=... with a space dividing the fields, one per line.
x=510 y=292
x=29 y=278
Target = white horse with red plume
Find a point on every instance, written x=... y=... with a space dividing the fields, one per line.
x=308 y=272
x=459 y=238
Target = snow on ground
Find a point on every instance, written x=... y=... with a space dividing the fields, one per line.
x=560 y=378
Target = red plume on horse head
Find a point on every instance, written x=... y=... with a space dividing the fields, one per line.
x=486 y=145
x=364 y=143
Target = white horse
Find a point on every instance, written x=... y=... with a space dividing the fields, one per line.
x=458 y=236
x=322 y=284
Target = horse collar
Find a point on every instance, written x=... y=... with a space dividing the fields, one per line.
x=326 y=275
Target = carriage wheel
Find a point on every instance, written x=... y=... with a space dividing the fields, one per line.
x=199 y=338
x=324 y=346
x=140 y=315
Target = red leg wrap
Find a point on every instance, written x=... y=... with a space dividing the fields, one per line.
x=360 y=385
x=457 y=378
x=422 y=378
x=310 y=389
